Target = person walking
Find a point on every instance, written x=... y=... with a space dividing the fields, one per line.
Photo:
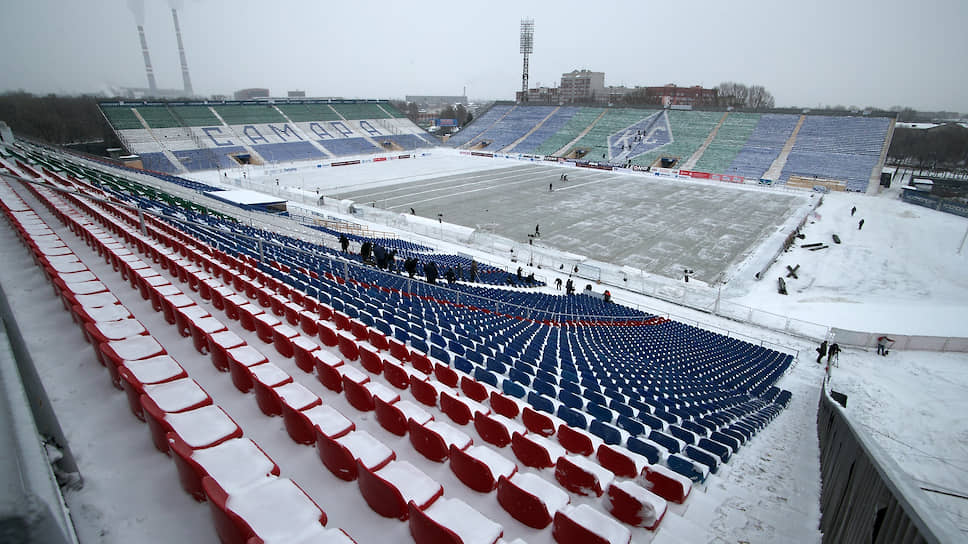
x=853 y=210
x=344 y=242
x=821 y=351
x=558 y=284
x=860 y=224
x=550 y=187
x=833 y=354
x=537 y=230
x=430 y=270
x=473 y=271
x=882 y=345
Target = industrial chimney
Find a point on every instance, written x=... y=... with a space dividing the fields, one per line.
x=181 y=53
x=152 y=87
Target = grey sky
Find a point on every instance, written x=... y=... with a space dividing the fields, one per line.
x=832 y=52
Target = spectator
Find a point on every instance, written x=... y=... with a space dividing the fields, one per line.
x=473 y=271
x=344 y=242
x=821 y=351
x=430 y=270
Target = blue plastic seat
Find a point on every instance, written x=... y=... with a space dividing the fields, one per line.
x=606 y=432
x=484 y=376
x=513 y=389
x=633 y=427
x=644 y=448
x=573 y=418
x=541 y=403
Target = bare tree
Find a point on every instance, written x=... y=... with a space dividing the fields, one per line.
x=759 y=98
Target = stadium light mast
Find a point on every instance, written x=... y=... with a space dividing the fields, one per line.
x=527 y=47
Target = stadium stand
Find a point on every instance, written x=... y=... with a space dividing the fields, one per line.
x=764 y=145
x=579 y=122
x=730 y=139
x=551 y=125
x=839 y=148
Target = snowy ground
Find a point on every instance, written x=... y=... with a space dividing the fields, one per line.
x=768 y=493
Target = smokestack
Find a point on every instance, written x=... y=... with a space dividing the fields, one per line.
x=181 y=53
x=144 y=50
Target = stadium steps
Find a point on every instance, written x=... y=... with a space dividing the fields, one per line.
x=165 y=151
x=470 y=144
x=775 y=169
x=581 y=135
x=532 y=131
x=691 y=162
x=299 y=131
x=874 y=187
x=248 y=148
x=366 y=137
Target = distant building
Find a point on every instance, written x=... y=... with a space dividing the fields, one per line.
x=582 y=86
x=250 y=94
x=431 y=101
x=541 y=95
x=672 y=95
x=296 y=94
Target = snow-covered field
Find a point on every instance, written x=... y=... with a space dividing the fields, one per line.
x=901 y=274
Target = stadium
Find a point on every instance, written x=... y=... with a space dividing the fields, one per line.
x=312 y=320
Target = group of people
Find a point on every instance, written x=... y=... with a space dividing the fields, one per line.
x=832 y=353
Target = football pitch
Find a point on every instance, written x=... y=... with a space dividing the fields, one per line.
x=659 y=225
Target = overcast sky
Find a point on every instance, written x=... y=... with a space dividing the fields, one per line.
x=879 y=53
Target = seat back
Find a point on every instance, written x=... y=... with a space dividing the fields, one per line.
x=475 y=474
x=384 y=498
x=336 y=458
x=522 y=505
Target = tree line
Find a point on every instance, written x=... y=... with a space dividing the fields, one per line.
x=941 y=147
x=56 y=119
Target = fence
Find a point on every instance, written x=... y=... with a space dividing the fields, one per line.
x=900 y=341
x=865 y=496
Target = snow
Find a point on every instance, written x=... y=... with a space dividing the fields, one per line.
x=120 y=329
x=176 y=395
x=465 y=521
x=602 y=474
x=653 y=506
x=412 y=411
x=901 y=274
x=452 y=436
x=612 y=531
x=411 y=482
x=552 y=496
x=234 y=464
x=275 y=509
x=498 y=464
x=382 y=392
x=136 y=347
x=365 y=448
x=329 y=420
x=201 y=427
x=269 y=374
x=296 y=396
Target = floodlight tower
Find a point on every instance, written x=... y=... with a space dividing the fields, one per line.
x=527 y=47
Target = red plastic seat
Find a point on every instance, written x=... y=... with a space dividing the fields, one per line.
x=341 y=455
x=233 y=464
x=130 y=349
x=107 y=331
x=240 y=516
x=341 y=320
x=295 y=400
x=240 y=359
x=389 y=490
x=585 y=525
x=348 y=346
x=581 y=476
x=265 y=377
x=357 y=394
x=378 y=340
x=219 y=344
x=530 y=499
x=394 y=417
x=504 y=405
x=479 y=467
x=327 y=370
x=370 y=360
x=202 y=329
x=473 y=389
x=327 y=335
x=184 y=317
x=496 y=429
x=282 y=338
x=396 y=374
x=622 y=462
x=423 y=391
x=200 y=428
x=635 y=505
x=665 y=483
x=265 y=325
x=421 y=362
x=537 y=422
x=452 y=521
x=446 y=375
x=399 y=350
x=535 y=451
x=359 y=330
x=434 y=439
x=307 y=322
x=575 y=441
x=328 y=421
x=167 y=385
x=302 y=350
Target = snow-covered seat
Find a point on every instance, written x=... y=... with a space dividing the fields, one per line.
x=240 y=361
x=461 y=410
x=312 y=535
x=434 y=439
x=473 y=389
x=202 y=328
x=669 y=485
x=95 y=314
x=496 y=429
x=581 y=476
x=370 y=360
x=327 y=370
x=265 y=378
x=537 y=422
x=302 y=351
x=621 y=461
x=108 y=331
x=504 y=405
x=575 y=441
x=199 y=428
x=173 y=391
x=530 y=499
x=389 y=490
x=535 y=451
x=348 y=345
x=396 y=373
x=219 y=344
x=307 y=322
x=394 y=417
x=446 y=375
x=399 y=350
x=583 y=524
x=480 y=467
x=234 y=464
x=276 y=509
x=341 y=454
x=452 y=521
x=378 y=340
x=327 y=421
x=295 y=398
x=635 y=505
x=185 y=315
x=134 y=348
x=282 y=338
x=265 y=326
x=326 y=333
x=697 y=472
x=360 y=392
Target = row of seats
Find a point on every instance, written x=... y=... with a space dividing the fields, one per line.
x=214 y=460
x=276 y=381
